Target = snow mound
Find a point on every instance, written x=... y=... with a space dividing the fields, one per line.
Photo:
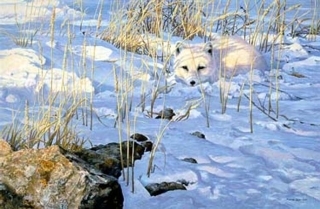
x=307 y=67
x=97 y=53
x=58 y=80
x=23 y=11
x=20 y=67
x=15 y=11
x=309 y=186
x=24 y=68
x=291 y=53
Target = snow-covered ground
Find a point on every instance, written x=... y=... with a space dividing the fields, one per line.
x=276 y=166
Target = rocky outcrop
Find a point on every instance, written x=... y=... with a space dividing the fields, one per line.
x=45 y=178
x=53 y=177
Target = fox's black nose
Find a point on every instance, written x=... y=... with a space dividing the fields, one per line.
x=192 y=83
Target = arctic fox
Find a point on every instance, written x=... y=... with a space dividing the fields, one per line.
x=224 y=56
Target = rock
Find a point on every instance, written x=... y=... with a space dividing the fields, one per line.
x=156 y=189
x=190 y=160
x=107 y=162
x=45 y=178
x=139 y=137
x=107 y=157
x=147 y=145
x=143 y=140
x=99 y=187
x=167 y=113
x=199 y=135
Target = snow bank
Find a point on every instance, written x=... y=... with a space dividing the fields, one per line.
x=25 y=68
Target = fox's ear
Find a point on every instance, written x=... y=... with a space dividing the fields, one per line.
x=179 y=47
x=208 y=48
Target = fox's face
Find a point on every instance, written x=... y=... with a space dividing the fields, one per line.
x=194 y=64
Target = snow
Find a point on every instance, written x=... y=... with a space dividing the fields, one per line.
x=278 y=165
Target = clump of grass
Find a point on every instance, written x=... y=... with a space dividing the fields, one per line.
x=24 y=38
x=27 y=27
x=46 y=128
x=129 y=27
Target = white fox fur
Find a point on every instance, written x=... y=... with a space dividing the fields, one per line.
x=229 y=56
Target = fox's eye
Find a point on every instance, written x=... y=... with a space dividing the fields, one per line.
x=185 y=68
x=201 y=68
